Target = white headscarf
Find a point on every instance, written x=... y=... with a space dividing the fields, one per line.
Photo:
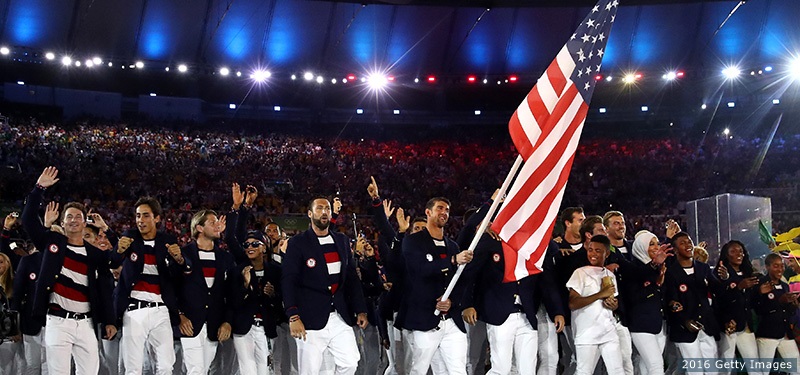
x=640 y=244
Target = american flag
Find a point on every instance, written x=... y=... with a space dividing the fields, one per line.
x=545 y=129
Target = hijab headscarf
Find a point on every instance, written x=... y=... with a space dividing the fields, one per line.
x=640 y=244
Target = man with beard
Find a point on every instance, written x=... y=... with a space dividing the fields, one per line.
x=615 y=225
x=144 y=299
x=431 y=260
x=322 y=294
x=204 y=318
x=74 y=285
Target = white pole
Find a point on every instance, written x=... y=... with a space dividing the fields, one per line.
x=484 y=224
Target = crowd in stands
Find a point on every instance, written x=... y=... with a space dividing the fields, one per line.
x=648 y=179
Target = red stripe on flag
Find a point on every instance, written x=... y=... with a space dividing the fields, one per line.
x=70 y=293
x=557 y=79
x=559 y=110
x=332 y=257
x=144 y=286
x=75 y=266
x=538 y=109
x=521 y=140
x=512 y=205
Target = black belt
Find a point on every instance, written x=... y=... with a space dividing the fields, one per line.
x=68 y=314
x=516 y=309
x=258 y=323
x=136 y=304
x=444 y=316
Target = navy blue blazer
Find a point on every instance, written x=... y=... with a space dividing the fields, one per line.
x=646 y=310
x=492 y=298
x=24 y=289
x=198 y=302
x=733 y=304
x=427 y=277
x=306 y=288
x=248 y=301
x=691 y=291
x=132 y=261
x=774 y=317
x=54 y=245
x=390 y=249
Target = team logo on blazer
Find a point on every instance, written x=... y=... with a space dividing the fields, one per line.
x=53 y=248
x=429 y=257
x=134 y=257
x=683 y=288
x=32 y=276
x=646 y=284
x=496 y=258
x=311 y=263
x=771 y=296
x=733 y=285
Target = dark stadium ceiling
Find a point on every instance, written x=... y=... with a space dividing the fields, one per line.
x=415 y=38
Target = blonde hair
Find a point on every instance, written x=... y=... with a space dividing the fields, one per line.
x=7 y=278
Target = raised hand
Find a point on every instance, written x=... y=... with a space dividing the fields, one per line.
x=222 y=223
x=50 y=214
x=403 y=221
x=123 y=244
x=388 y=210
x=11 y=220
x=48 y=178
x=246 y=275
x=372 y=188
x=97 y=221
x=252 y=194
x=722 y=271
x=337 y=205
x=238 y=196
x=369 y=251
x=672 y=228
x=269 y=289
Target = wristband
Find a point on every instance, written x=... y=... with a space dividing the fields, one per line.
x=294 y=318
x=40 y=187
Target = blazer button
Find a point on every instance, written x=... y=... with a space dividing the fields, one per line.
x=206 y=306
x=699 y=317
x=56 y=276
x=329 y=287
x=48 y=288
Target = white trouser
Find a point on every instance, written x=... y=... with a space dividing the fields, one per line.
x=447 y=340
x=252 y=352
x=284 y=352
x=438 y=367
x=336 y=337
x=548 y=344
x=395 y=352
x=110 y=363
x=744 y=341
x=476 y=348
x=198 y=352
x=703 y=347
x=625 y=347
x=587 y=356
x=35 y=359
x=515 y=338
x=786 y=348
x=651 y=350
x=147 y=328
x=65 y=339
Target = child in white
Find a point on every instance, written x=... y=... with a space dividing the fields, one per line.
x=592 y=305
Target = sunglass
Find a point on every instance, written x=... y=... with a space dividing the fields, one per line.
x=252 y=244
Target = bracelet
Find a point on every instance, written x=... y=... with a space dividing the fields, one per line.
x=40 y=187
x=294 y=318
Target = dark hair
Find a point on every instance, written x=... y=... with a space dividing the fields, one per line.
x=200 y=219
x=746 y=268
x=432 y=202
x=588 y=225
x=468 y=215
x=771 y=258
x=272 y=223
x=149 y=202
x=417 y=220
x=674 y=238
x=76 y=205
x=567 y=213
x=601 y=239
x=311 y=202
x=608 y=215
x=93 y=229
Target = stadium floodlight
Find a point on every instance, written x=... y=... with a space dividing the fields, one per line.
x=359 y=111
x=768 y=68
x=66 y=61
x=276 y=108
x=294 y=77
x=96 y=60
x=320 y=79
x=776 y=101
x=670 y=76
x=726 y=131
x=50 y=56
x=731 y=104
x=602 y=110
x=645 y=108
x=477 y=112
x=231 y=106
x=308 y=76
x=794 y=68
x=4 y=50
x=704 y=106
x=224 y=71
x=377 y=81
x=139 y=65
x=183 y=68
x=89 y=63
x=731 y=72
x=396 y=111
x=260 y=75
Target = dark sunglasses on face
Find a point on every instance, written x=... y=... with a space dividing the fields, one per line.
x=252 y=244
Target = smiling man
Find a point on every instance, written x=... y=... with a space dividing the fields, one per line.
x=322 y=294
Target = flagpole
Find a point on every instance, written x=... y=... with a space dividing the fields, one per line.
x=484 y=224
